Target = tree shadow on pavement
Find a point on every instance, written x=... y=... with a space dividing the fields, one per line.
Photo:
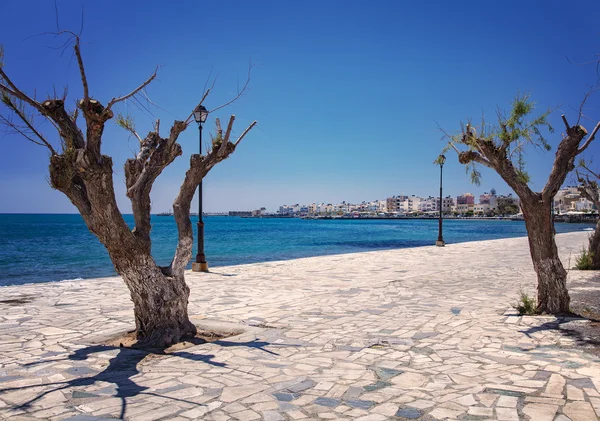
x=120 y=370
x=585 y=336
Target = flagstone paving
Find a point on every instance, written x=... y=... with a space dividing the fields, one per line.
x=414 y=334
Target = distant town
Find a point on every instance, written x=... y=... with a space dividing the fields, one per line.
x=567 y=201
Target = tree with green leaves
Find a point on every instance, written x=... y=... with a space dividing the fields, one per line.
x=501 y=147
x=80 y=170
x=588 y=188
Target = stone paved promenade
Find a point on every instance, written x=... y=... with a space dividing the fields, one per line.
x=424 y=333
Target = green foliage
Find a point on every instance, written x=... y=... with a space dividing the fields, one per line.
x=509 y=138
x=508 y=209
x=217 y=141
x=526 y=306
x=517 y=128
x=474 y=174
x=523 y=176
x=584 y=261
x=125 y=121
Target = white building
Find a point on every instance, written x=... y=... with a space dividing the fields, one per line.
x=569 y=199
x=481 y=208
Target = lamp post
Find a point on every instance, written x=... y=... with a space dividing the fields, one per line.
x=200 y=265
x=440 y=241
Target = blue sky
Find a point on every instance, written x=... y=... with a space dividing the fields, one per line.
x=348 y=94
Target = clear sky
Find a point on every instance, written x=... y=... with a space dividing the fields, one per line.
x=348 y=94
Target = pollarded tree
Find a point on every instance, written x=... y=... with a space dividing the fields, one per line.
x=80 y=171
x=588 y=188
x=501 y=148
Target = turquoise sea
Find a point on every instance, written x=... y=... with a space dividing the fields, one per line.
x=46 y=248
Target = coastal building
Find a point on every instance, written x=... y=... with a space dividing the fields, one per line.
x=569 y=199
x=482 y=209
x=447 y=204
x=584 y=205
x=327 y=209
x=289 y=209
x=375 y=206
x=465 y=199
x=489 y=204
x=429 y=204
x=259 y=212
x=395 y=204
x=382 y=206
x=465 y=203
x=432 y=204
x=489 y=199
x=413 y=204
x=341 y=208
x=240 y=213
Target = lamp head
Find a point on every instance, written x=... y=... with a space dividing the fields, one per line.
x=200 y=114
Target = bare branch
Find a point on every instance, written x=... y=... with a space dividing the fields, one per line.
x=84 y=82
x=229 y=127
x=56 y=16
x=585 y=98
x=68 y=130
x=244 y=133
x=18 y=130
x=208 y=79
x=219 y=129
x=240 y=92
x=132 y=93
x=20 y=113
x=564 y=161
x=224 y=140
x=589 y=139
x=188 y=120
x=589 y=188
x=177 y=128
x=584 y=165
x=564 y=119
x=10 y=88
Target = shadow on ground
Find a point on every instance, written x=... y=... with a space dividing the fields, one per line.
x=585 y=333
x=120 y=370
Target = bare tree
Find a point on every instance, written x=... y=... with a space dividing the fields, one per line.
x=501 y=147
x=80 y=171
x=588 y=188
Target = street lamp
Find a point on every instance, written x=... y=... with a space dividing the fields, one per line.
x=440 y=241
x=200 y=265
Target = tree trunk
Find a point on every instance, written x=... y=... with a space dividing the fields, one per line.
x=160 y=302
x=595 y=247
x=553 y=297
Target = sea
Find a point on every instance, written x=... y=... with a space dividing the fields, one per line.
x=55 y=247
